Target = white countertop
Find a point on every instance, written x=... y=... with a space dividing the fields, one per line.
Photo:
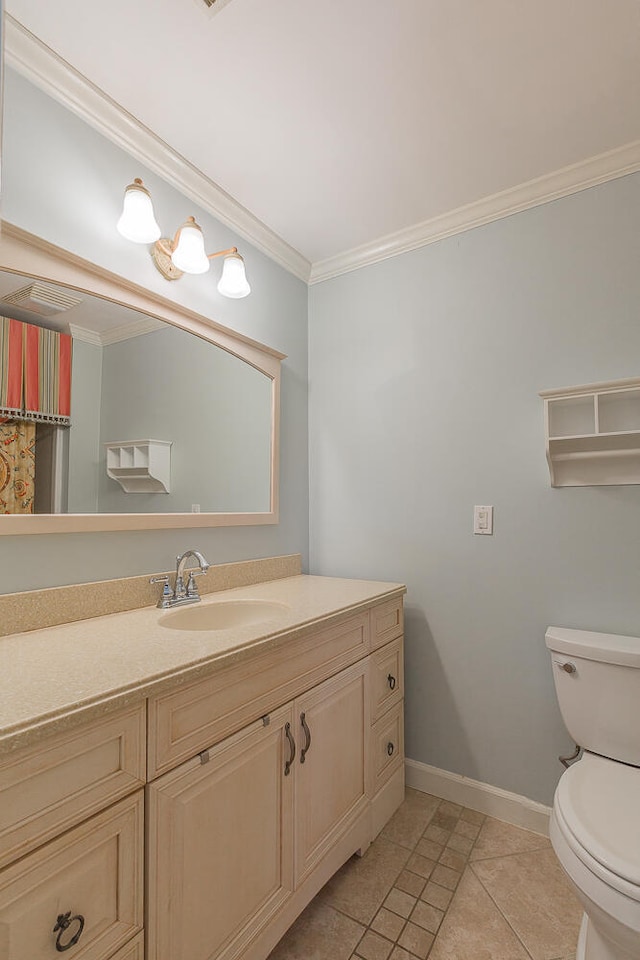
x=51 y=679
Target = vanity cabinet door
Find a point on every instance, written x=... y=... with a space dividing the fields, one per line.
x=331 y=775
x=221 y=844
x=93 y=874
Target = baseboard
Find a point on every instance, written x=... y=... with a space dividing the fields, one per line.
x=498 y=803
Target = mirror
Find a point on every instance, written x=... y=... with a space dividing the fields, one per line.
x=145 y=369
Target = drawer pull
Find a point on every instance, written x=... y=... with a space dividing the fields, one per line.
x=307 y=734
x=391 y=680
x=63 y=922
x=390 y=748
x=292 y=747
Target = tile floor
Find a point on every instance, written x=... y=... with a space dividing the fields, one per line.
x=446 y=883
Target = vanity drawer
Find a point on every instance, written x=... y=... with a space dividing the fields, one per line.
x=387 y=746
x=52 y=786
x=387 y=622
x=95 y=872
x=134 y=950
x=184 y=722
x=387 y=678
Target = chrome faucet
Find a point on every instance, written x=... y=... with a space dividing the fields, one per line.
x=181 y=593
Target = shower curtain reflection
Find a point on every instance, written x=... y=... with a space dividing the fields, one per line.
x=17 y=466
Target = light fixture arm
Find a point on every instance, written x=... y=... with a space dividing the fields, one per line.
x=168 y=246
x=222 y=253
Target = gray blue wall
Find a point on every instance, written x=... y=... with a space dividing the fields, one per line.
x=424 y=374
x=214 y=408
x=84 y=436
x=64 y=182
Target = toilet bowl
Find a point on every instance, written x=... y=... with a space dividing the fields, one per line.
x=595 y=822
x=595 y=832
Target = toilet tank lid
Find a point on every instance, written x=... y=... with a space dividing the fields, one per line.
x=606 y=647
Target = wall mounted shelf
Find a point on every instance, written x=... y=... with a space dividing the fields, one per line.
x=140 y=466
x=592 y=433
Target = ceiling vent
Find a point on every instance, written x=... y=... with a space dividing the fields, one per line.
x=215 y=5
x=42 y=299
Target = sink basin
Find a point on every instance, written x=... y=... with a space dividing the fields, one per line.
x=223 y=615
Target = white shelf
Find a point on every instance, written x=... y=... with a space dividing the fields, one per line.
x=140 y=466
x=592 y=434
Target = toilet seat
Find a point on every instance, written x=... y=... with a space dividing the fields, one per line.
x=597 y=809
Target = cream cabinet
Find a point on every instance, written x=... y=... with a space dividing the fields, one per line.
x=262 y=778
x=220 y=843
x=233 y=832
x=56 y=784
x=386 y=763
x=72 y=843
x=243 y=834
x=82 y=892
x=331 y=775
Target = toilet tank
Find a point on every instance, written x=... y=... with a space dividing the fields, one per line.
x=597 y=678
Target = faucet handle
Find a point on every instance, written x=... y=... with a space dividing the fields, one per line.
x=166 y=589
x=164 y=579
x=192 y=590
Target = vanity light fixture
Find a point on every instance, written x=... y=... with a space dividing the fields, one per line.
x=185 y=253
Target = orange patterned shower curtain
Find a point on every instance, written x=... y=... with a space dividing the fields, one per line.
x=17 y=466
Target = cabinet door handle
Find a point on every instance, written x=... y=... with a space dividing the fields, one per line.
x=307 y=734
x=390 y=748
x=62 y=923
x=391 y=680
x=292 y=748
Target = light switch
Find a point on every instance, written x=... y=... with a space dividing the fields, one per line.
x=483 y=520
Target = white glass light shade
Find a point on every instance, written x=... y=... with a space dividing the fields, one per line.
x=138 y=222
x=233 y=282
x=189 y=255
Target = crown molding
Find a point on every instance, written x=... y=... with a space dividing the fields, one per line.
x=125 y=331
x=83 y=333
x=40 y=65
x=561 y=183
x=128 y=331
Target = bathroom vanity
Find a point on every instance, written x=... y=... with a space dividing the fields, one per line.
x=255 y=759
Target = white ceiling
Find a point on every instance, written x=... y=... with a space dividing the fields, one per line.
x=339 y=123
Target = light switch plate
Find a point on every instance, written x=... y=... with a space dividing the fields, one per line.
x=483 y=520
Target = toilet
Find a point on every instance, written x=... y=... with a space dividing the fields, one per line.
x=595 y=821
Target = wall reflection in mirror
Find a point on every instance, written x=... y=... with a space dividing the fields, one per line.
x=133 y=379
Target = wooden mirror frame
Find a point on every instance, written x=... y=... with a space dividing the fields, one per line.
x=28 y=255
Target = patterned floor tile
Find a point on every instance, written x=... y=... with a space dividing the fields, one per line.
x=441 y=882
x=498 y=839
x=319 y=933
x=411 y=820
x=474 y=929
x=531 y=890
x=359 y=888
